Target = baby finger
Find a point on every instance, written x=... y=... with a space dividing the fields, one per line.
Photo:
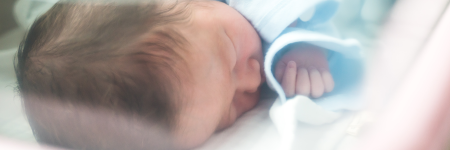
x=279 y=71
x=288 y=82
x=328 y=81
x=317 y=87
x=303 y=86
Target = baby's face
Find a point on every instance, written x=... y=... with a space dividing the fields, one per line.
x=225 y=65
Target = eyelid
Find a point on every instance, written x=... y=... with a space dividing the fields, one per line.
x=229 y=40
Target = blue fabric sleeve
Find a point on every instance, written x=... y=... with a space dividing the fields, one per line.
x=345 y=59
x=271 y=17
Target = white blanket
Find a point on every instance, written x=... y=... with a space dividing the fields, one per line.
x=256 y=131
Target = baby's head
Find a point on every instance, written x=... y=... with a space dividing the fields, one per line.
x=192 y=66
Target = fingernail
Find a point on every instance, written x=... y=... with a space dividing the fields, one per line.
x=291 y=64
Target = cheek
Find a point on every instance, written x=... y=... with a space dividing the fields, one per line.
x=243 y=102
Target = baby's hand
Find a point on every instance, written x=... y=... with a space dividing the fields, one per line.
x=304 y=71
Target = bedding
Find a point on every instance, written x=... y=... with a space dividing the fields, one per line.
x=255 y=131
x=13 y=122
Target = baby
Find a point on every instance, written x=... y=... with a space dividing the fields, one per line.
x=190 y=66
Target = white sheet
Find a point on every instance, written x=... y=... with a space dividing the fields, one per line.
x=255 y=131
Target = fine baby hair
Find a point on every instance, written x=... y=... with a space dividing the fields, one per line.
x=103 y=55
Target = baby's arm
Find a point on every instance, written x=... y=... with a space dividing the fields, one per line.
x=304 y=71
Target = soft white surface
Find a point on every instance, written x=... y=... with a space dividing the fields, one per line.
x=13 y=122
x=286 y=117
x=256 y=131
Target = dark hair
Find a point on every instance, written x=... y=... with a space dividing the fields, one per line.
x=104 y=55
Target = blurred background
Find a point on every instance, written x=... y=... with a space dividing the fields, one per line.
x=13 y=123
x=6 y=15
x=360 y=19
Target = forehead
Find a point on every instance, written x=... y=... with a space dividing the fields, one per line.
x=205 y=30
x=210 y=49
